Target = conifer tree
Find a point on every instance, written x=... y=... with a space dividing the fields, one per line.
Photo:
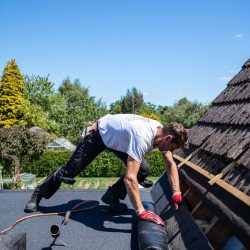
x=12 y=96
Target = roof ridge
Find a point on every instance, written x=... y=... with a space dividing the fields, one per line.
x=242 y=100
x=246 y=64
x=222 y=125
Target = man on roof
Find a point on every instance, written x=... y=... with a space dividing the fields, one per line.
x=130 y=137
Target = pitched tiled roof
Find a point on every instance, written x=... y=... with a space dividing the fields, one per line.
x=223 y=133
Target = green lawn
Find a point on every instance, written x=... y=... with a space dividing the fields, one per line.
x=91 y=182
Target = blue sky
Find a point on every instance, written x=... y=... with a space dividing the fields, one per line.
x=166 y=49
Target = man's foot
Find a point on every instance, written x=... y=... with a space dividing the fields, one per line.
x=146 y=183
x=33 y=203
x=109 y=198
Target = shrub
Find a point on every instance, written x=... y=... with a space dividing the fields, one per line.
x=105 y=165
x=47 y=162
x=20 y=142
x=156 y=163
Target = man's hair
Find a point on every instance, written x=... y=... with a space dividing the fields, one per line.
x=178 y=133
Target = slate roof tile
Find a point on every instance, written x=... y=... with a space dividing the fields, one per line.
x=246 y=64
x=208 y=162
x=245 y=159
x=239 y=178
x=237 y=113
x=184 y=152
x=234 y=93
x=241 y=77
x=241 y=143
x=223 y=132
x=200 y=133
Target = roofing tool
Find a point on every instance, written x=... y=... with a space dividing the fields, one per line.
x=55 y=233
x=53 y=229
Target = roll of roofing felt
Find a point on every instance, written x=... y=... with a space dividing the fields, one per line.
x=151 y=236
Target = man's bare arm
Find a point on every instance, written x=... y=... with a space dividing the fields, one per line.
x=172 y=171
x=131 y=183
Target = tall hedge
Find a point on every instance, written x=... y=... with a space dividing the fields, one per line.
x=105 y=165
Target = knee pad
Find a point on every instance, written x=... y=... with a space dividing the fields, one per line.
x=61 y=176
x=142 y=174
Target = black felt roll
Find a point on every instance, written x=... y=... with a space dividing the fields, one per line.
x=151 y=236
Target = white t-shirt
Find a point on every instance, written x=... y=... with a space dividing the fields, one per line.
x=131 y=134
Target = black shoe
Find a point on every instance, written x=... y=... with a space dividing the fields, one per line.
x=109 y=198
x=146 y=183
x=33 y=203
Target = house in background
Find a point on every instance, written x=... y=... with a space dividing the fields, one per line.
x=61 y=144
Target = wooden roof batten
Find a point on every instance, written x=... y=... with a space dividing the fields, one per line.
x=212 y=179
x=218 y=197
x=217 y=164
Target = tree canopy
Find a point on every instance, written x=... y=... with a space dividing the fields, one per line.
x=39 y=90
x=183 y=111
x=66 y=111
x=132 y=102
x=79 y=109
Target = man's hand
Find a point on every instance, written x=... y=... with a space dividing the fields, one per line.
x=177 y=198
x=151 y=216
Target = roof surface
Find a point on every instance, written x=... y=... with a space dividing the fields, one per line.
x=96 y=229
x=223 y=133
x=101 y=228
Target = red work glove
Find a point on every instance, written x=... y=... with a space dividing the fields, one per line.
x=177 y=198
x=150 y=216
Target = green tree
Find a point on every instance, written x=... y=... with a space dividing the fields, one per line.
x=79 y=108
x=149 y=110
x=44 y=102
x=39 y=90
x=12 y=96
x=36 y=116
x=184 y=111
x=132 y=102
x=115 y=107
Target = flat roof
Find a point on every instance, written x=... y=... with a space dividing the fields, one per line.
x=96 y=229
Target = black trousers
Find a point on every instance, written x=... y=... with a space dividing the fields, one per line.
x=86 y=151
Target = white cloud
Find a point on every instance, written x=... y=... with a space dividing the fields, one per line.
x=146 y=94
x=238 y=35
x=225 y=78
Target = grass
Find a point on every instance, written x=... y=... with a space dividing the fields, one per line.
x=90 y=182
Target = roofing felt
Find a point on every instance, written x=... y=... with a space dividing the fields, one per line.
x=96 y=229
x=223 y=132
x=100 y=228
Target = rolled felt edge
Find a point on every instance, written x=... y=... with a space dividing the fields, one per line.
x=151 y=236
